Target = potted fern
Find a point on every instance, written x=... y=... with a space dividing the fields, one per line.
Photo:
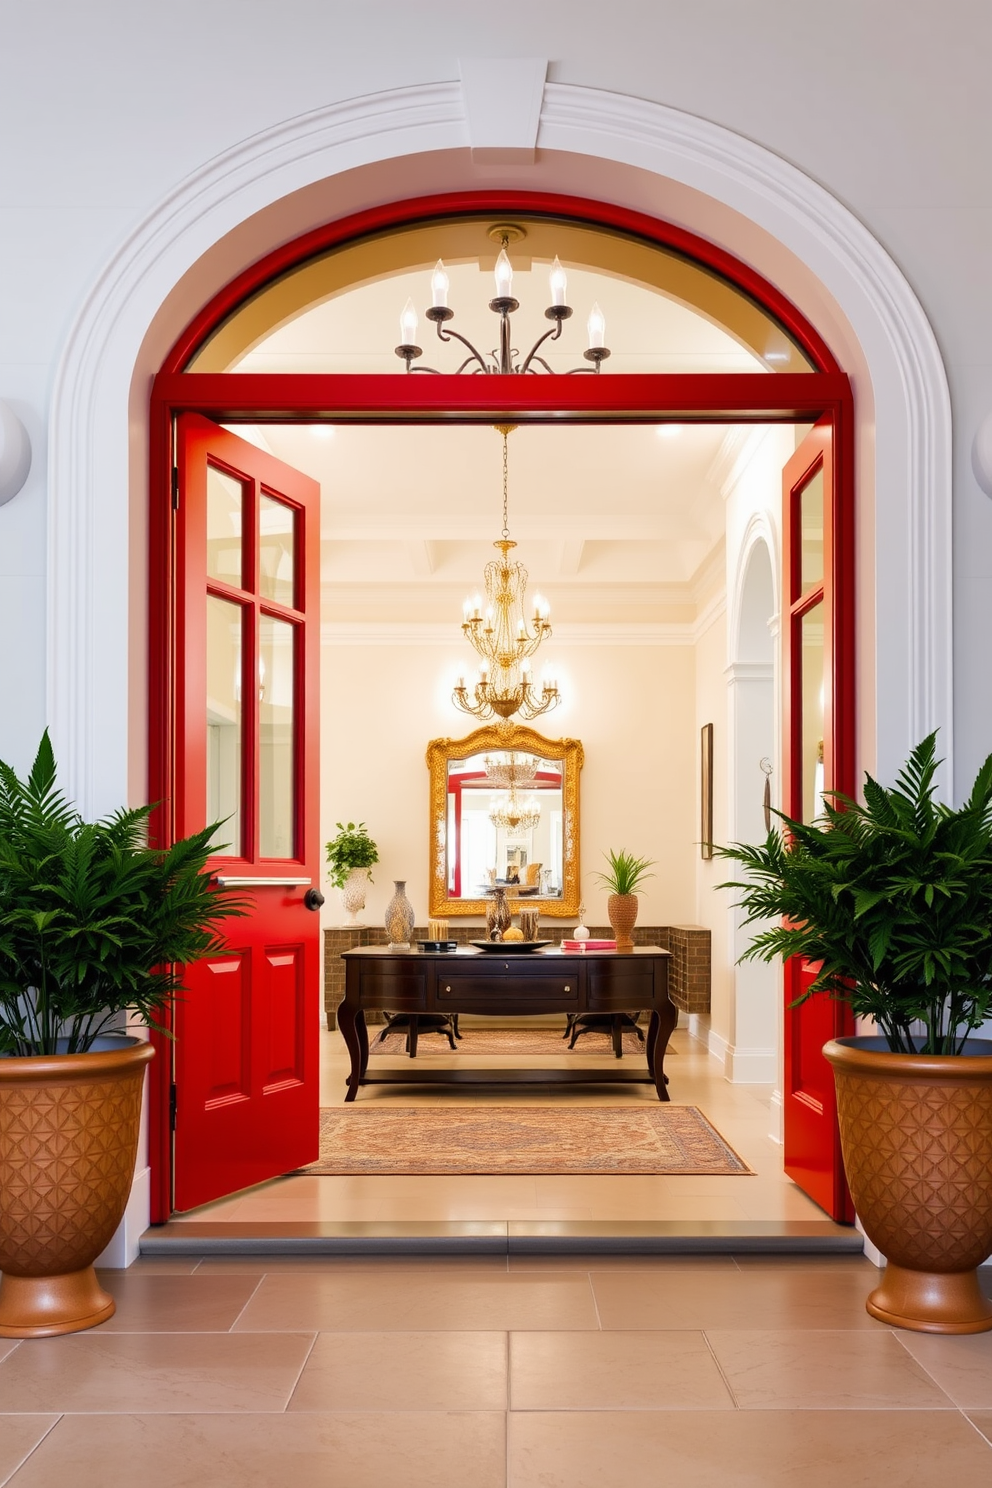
x=891 y=902
x=95 y=928
x=622 y=878
x=350 y=856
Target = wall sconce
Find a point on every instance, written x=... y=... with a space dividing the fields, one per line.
x=15 y=453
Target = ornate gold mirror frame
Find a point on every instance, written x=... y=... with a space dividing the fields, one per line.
x=514 y=738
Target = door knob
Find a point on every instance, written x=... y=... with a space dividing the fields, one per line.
x=313 y=899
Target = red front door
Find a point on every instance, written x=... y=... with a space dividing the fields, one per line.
x=247 y=751
x=817 y=657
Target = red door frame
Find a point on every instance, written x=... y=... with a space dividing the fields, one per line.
x=396 y=399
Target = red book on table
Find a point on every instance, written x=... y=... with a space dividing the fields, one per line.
x=588 y=945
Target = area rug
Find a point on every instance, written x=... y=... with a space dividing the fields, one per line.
x=522 y=1042
x=658 y=1139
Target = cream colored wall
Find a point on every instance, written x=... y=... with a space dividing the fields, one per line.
x=631 y=706
x=711 y=904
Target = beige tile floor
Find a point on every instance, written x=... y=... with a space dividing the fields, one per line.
x=742 y=1113
x=608 y=1372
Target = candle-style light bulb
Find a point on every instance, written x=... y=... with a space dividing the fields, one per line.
x=439 y=286
x=559 y=283
x=408 y=324
x=596 y=327
x=504 y=276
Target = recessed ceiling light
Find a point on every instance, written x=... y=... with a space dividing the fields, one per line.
x=669 y=431
x=778 y=356
x=322 y=431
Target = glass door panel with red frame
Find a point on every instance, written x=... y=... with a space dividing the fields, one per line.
x=816 y=732
x=247 y=706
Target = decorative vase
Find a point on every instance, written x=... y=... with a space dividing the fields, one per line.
x=497 y=915
x=581 y=931
x=916 y=1134
x=399 y=918
x=622 y=911
x=353 y=893
x=68 y=1141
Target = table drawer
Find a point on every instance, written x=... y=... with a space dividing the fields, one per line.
x=490 y=990
x=622 y=983
x=401 y=989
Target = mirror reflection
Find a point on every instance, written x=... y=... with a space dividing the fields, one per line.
x=504 y=814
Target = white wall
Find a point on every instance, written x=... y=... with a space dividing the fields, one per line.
x=630 y=706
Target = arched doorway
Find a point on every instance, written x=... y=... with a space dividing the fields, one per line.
x=373 y=149
x=786 y=374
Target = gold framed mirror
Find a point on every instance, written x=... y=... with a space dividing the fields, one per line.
x=504 y=810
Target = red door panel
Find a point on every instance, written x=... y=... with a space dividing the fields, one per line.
x=817 y=656
x=248 y=605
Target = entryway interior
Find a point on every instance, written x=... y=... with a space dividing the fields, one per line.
x=657 y=543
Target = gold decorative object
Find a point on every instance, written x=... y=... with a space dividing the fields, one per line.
x=512 y=771
x=512 y=738
x=503 y=637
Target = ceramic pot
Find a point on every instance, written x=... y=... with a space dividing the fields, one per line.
x=399 y=918
x=622 y=911
x=353 y=893
x=916 y=1134
x=498 y=915
x=68 y=1141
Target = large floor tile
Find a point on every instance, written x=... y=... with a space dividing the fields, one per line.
x=404 y=1372
x=345 y=1265
x=149 y=1303
x=305 y=1451
x=795 y=1370
x=661 y=1264
x=411 y=1303
x=961 y=1366
x=983 y=1421
x=746 y=1449
x=758 y=1299
x=19 y=1435
x=154 y=1372
x=614 y=1371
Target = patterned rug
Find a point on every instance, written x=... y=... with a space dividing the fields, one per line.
x=521 y=1139
x=523 y=1042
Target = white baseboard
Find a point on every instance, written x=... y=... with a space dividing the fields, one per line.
x=871 y=1251
x=122 y=1249
x=751 y=1066
x=777 y=1129
x=718 y=1048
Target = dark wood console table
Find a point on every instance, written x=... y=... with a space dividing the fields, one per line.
x=473 y=981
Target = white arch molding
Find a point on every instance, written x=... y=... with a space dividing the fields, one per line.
x=406 y=142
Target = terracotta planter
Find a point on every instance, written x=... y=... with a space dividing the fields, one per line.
x=68 y=1140
x=916 y=1133
x=622 y=911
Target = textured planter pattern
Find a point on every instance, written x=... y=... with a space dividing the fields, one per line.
x=68 y=1140
x=353 y=893
x=399 y=916
x=916 y=1133
x=622 y=911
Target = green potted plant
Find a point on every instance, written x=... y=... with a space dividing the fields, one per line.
x=892 y=901
x=95 y=928
x=623 y=877
x=350 y=856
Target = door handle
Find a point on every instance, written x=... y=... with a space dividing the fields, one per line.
x=313 y=899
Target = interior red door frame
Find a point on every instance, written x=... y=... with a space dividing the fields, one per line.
x=400 y=398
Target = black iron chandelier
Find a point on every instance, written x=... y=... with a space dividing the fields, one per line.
x=503 y=359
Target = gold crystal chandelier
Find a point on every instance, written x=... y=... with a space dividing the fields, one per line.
x=512 y=771
x=503 y=637
x=514 y=815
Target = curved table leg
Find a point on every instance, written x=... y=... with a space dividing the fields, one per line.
x=348 y=1022
x=362 y=1030
x=663 y=1021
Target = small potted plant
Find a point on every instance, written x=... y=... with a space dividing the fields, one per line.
x=95 y=926
x=891 y=903
x=623 y=877
x=350 y=855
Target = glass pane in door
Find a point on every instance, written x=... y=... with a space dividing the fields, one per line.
x=225 y=745
x=811 y=529
x=276 y=737
x=277 y=551
x=225 y=512
x=811 y=627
